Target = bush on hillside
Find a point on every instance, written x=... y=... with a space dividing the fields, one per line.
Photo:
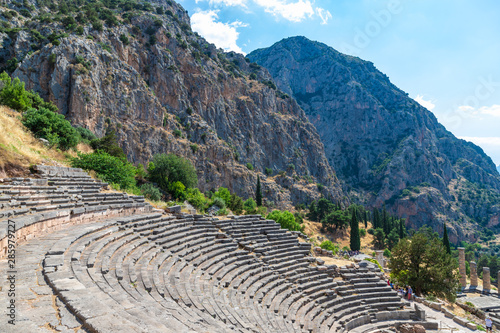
x=109 y=168
x=250 y=205
x=328 y=245
x=150 y=192
x=165 y=169
x=108 y=144
x=219 y=202
x=285 y=219
x=236 y=204
x=51 y=126
x=86 y=135
x=178 y=190
x=196 y=198
x=224 y=194
x=13 y=94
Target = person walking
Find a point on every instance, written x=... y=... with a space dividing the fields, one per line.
x=488 y=323
x=410 y=291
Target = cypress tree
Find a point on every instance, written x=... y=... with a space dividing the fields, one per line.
x=355 y=239
x=376 y=219
x=258 y=194
x=402 y=228
x=446 y=241
x=366 y=219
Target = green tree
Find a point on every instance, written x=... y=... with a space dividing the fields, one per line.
x=196 y=198
x=446 y=241
x=250 y=206
x=402 y=229
x=379 y=239
x=355 y=241
x=423 y=263
x=109 y=144
x=258 y=193
x=151 y=192
x=236 y=204
x=13 y=94
x=224 y=194
x=392 y=238
x=165 y=169
x=338 y=219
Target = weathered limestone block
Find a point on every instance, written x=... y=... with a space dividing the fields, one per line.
x=486 y=279
x=461 y=267
x=379 y=255
x=473 y=274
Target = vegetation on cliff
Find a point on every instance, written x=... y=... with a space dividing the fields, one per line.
x=422 y=262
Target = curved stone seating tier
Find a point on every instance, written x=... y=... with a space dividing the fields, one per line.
x=36 y=206
x=119 y=265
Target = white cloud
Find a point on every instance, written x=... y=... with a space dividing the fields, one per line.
x=291 y=10
x=324 y=14
x=426 y=104
x=493 y=110
x=226 y=2
x=223 y=35
x=295 y=11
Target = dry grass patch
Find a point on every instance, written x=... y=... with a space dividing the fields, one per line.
x=340 y=237
x=19 y=148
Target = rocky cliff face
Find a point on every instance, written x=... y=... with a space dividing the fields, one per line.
x=165 y=89
x=387 y=148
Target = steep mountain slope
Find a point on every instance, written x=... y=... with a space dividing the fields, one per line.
x=138 y=68
x=387 y=148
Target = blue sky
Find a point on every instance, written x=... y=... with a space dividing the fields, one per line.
x=445 y=54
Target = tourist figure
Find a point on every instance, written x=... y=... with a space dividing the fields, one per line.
x=409 y=293
x=488 y=323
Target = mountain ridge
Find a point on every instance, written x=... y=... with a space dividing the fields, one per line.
x=385 y=146
x=140 y=70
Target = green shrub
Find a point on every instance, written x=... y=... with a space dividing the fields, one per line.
x=177 y=133
x=387 y=253
x=109 y=168
x=13 y=94
x=24 y=12
x=250 y=206
x=236 y=204
x=219 y=202
x=109 y=144
x=51 y=126
x=86 y=135
x=165 y=169
x=196 y=198
x=371 y=231
x=328 y=245
x=140 y=173
x=194 y=147
x=362 y=232
x=224 y=194
x=262 y=210
x=178 y=190
x=249 y=166
x=269 y=171
x=151 y=192
x=124 y=39
x=97 y=26
x=285 y=219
